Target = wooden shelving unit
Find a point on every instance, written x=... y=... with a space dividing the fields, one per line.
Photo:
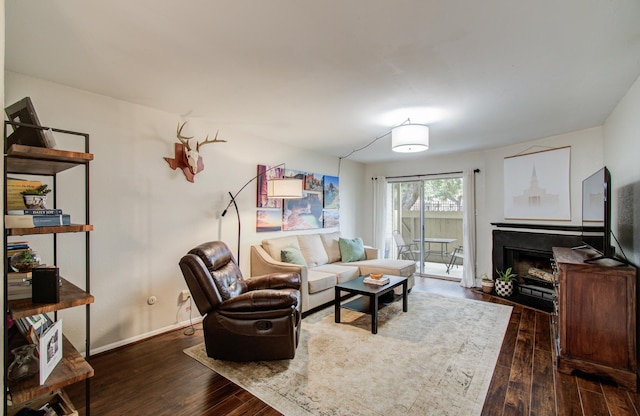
x=73 y=368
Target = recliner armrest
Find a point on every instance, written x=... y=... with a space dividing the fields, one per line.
x=257 y=300
x=290 y=280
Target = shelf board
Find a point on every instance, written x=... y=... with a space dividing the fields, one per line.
x=70 y=296
x=71 y=369
x=58 y=229
x=42 y=161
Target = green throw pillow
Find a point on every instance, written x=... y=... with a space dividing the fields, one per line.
x=351 y=249
x=292 y=255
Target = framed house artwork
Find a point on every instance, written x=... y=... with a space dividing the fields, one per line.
x=536 y=185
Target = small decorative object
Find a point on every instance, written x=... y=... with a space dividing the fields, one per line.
x=487 y=284
x=45 y=284
x=504 y=284
x=375 y=276
x=25 y=261
x=25 y=363
x=36 y=198
x=187 y=159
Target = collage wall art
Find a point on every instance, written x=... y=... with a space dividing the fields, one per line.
x=318 y=208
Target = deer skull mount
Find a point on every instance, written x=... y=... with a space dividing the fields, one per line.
x=186 y=158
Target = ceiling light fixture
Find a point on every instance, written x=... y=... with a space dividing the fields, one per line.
x=410 y=138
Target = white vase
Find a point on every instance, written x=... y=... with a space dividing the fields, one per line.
x=504 y=288
x=35 y=201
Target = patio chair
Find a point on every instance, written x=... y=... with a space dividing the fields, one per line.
x=457 y=253
x=405 y=249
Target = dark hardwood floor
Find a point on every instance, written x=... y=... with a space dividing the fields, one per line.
x=154 y=377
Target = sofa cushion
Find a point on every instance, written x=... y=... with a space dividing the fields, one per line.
x=343 y=272
x=274 y=246
x=351 y=249
x=292 y=255
x=386 y=266
x=312 y=249
x=319 y=281
x=332 y=246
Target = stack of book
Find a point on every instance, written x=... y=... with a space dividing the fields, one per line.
x=31 y=218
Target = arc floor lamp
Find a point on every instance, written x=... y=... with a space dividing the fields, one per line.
x=283 y=188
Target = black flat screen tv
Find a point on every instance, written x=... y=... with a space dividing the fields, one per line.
x=596 y=213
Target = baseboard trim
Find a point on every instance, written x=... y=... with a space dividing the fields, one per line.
x=146 y=335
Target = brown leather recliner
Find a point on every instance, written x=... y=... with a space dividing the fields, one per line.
x=244 y=319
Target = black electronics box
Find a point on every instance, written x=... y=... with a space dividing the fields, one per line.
x=45 y=283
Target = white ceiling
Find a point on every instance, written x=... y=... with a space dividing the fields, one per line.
x=322 y=74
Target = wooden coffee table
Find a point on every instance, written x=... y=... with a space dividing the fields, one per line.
x=369 y=301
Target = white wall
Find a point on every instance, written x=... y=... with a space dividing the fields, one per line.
x=586 y=158
x=146 y=216
x=621 y=156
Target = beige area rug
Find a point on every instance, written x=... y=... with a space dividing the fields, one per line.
x=436 y=359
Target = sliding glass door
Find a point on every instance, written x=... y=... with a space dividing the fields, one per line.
x=426 y=218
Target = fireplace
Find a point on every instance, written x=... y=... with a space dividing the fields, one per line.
x=530 y=247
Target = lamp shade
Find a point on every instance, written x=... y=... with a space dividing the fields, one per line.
x=287 y=188
x=410 y=138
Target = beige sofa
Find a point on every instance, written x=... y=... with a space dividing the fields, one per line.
x=323 y=269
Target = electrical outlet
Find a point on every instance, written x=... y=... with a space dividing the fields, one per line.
x=184 y=296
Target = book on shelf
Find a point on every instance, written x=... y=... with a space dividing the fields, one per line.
x=53 y=211
x=380 y=282
x=14 y=192
x=14 y=245
x=32 y=221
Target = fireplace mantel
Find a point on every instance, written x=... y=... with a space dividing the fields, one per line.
x=546 y=227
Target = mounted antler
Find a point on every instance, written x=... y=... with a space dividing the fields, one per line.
x=215 y=140
x=193 y=163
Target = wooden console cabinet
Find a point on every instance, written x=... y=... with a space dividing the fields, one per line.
x=594 y=322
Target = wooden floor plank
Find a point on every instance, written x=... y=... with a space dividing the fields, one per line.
x=543 y=395
x=518 y=398
x=494 y=401
x=567 y=395
x=543 y=332
x=593 y=403
x=618 y=401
